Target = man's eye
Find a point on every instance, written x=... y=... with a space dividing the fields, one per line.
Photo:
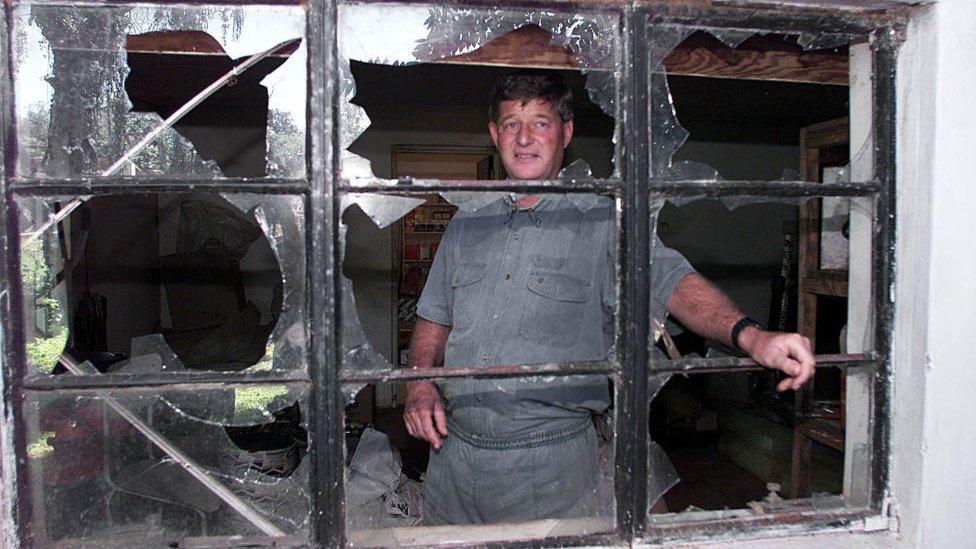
x=511 y=126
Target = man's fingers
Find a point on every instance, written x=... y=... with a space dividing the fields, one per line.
x=784 y=384
x=440 y=419
x=430 y=434
x=802 y=353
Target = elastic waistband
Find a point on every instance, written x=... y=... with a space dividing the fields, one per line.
x=547 y=438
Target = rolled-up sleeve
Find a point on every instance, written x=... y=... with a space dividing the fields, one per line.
x=668 y=267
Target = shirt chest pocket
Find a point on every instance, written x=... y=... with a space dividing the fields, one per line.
x=554 y=308
x=468 y=289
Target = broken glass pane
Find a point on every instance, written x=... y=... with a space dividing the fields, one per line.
x=126 y=469
x=730 y=438
x=503 y=459
x=92 y=81
x=737 y=94
x=751 y=248
x=445 y=60
x=165 y=282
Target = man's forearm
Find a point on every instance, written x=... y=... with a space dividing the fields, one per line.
x=428 y=344
x=704 y=309
x=423 y=413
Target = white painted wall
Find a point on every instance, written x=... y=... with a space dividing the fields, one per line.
x=934 y=466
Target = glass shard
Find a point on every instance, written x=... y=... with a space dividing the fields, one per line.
x=124 y=469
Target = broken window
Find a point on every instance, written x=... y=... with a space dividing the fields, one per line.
x=207 y=337
x=426 y=49
x=219 y=281
x=794 y=260
x=133 y=468
x=93 y=81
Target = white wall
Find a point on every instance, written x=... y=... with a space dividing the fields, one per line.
x=934 y=471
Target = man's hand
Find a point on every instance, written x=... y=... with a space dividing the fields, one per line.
x=791 y=354
x=424 y=413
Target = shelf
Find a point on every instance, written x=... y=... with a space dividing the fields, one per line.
x=821 y=282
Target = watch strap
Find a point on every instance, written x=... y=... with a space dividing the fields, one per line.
x=737 y=328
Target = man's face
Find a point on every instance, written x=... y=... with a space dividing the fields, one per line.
x=530 y=138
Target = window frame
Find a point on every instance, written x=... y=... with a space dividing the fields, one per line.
x=324 y=186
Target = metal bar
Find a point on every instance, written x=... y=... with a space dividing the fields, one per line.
x=428 y=186
x=885 y=112
x=173 y=379
x=735 y=364
x=550 y=369
x=326 y=423
x=165 y=124
x=633 y=321
x=177 y=455
x=762 y=188
x=109 y=185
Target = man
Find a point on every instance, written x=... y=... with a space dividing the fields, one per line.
x=530 y=280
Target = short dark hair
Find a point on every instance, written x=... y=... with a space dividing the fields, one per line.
x=525 y=86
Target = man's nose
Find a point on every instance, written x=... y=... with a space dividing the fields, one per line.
x=524 y=135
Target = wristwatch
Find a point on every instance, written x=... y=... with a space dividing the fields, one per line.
x=737 y=328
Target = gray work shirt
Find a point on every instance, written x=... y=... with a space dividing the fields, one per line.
x=531 y=286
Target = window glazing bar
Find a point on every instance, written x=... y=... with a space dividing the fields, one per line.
x=633 y=324
x=327 y=450
x=15 y=519
x=427 y=186
x=740 y=365
x=162 y=380
x=800 y=515
x=886 y=42
x=779 y=20
x=91 y=185
x=551 y=369
x=762 y=188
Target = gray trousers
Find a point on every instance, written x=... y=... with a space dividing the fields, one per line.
x=472 y=480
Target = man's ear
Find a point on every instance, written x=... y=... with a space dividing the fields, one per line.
x=493 y=132
x=567 y=133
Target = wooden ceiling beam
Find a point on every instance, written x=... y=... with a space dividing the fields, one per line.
x=529 y=47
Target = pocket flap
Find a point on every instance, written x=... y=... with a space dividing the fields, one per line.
x=469 y=273
x=559 y=286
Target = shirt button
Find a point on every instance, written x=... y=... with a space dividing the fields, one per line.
x=516 y=236
x=508 y=276
x=484 y=358
x=494 y=317
x=540 y=279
